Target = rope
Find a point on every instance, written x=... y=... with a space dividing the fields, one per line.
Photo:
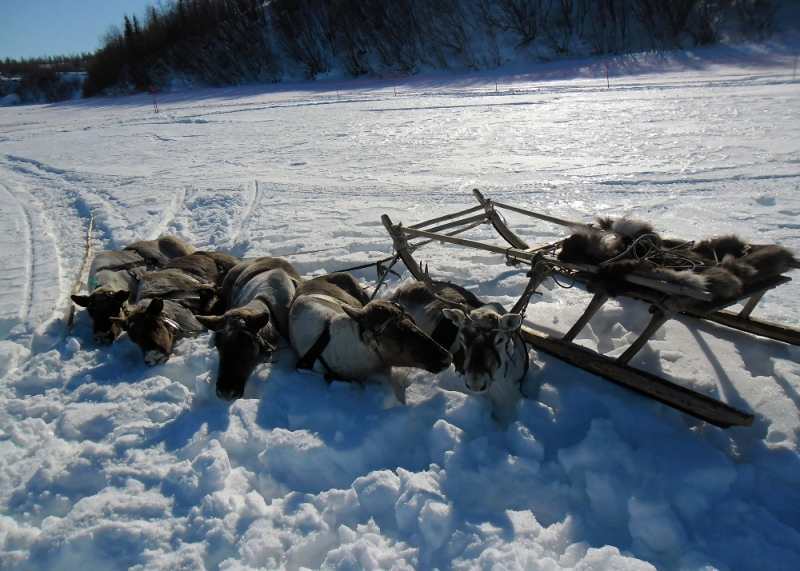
x=648 y=247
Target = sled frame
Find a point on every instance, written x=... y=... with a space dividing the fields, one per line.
x=667 y=299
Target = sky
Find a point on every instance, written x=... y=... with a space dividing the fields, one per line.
x=35 y=28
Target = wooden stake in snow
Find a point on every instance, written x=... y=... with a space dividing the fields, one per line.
x=608 y=81
x=84 y=269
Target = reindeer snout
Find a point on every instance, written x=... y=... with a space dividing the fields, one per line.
x=103 y=337
x=155 y=357
x=229 y=393
x=478 y=383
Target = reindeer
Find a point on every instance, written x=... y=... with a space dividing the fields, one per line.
x=483 y=338
x=114 y=280
x=258 y=294
x=338 y=332
x=167 y=301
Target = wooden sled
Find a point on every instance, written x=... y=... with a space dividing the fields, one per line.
x=667 y=299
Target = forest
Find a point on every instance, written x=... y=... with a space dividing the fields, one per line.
x=228 y=42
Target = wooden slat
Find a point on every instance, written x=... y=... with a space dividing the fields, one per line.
x=545 y=217
x=498 y=223
x=681 y=398
x=597 y=302
x=446 y=217
x=462 y=222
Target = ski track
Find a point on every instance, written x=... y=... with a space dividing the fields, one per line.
x=253 y=201
x=168 y=216
x=16 y=264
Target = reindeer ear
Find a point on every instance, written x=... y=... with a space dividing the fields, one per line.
x=355 y=313
x=455 y=315
x=121 y=321
x=121 y=295
x=156 y=306
x=210 y=322
x=257 y=322
x=510 y=322
x=81 y=300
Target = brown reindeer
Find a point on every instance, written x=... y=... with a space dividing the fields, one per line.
x=258 y=294
x=167 y=301
x=483 y=337
x=114 y=280
x=346 y=336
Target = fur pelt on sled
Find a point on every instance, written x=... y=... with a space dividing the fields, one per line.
x=725 y=266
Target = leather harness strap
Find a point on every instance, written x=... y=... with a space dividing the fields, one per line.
x=314 y=354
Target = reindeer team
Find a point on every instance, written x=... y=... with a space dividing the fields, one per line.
x=162 y=290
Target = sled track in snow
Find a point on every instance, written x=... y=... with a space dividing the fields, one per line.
x=160 y=227
x=253 y=199
x=21 y=265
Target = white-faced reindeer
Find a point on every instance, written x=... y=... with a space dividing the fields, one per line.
x=338 y=332
x=114 y=280
x=167 y=301
x=258 y=294
x=483 y=338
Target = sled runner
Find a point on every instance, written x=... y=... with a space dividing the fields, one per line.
x=669 y=292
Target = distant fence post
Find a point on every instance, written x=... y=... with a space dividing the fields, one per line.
x=608 y=81
x=155 y=103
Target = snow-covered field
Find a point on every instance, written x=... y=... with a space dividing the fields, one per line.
x=106 y=463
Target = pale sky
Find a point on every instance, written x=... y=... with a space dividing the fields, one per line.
x=34 y=28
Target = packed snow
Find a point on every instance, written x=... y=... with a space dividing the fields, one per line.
x=106 y=463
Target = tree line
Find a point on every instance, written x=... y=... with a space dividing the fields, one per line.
x=43 y=79
x=224 y=42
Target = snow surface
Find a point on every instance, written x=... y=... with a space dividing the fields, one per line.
x=106 y=463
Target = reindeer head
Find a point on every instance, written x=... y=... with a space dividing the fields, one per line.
x=392 y=334
x=241 y=337
x=151 y=330
x=487 y=341
x=102 y=305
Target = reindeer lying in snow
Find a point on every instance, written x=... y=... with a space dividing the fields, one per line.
x=723 y=266
x=258 y=293
x=167 y=300
x=114 y=280
x=338 y=332
x=483 y=338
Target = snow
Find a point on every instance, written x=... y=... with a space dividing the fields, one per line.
x=106 y=463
